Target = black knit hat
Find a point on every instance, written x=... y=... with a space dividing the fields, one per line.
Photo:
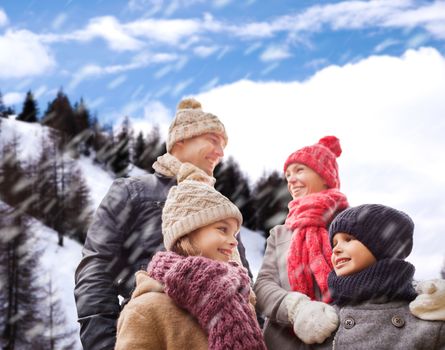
x=386 y=232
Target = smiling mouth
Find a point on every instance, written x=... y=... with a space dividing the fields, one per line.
x=226 y=252
x=339 y=263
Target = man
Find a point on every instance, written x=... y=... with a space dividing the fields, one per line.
x=126 y=230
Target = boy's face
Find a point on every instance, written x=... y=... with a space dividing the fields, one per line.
x=216 y=241
x=349 y=255
x=204 y=151
x=302 y=180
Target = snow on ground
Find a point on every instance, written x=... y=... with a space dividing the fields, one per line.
x=60 y=263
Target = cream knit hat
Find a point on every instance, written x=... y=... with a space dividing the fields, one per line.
x=194 y=203
x=191 y=121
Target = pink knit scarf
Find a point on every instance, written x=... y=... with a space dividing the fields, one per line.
x=215 y=293
x=310 y=252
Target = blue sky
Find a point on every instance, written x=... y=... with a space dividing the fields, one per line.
x=279 y=74
x=119 y=55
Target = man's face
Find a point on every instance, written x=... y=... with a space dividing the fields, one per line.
x=204 y=151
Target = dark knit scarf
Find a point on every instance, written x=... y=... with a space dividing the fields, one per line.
x=386 y=280
x=215 y=293
x=310 y=251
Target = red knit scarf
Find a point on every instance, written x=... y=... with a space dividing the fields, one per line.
x=216 y=293
x=310 y=251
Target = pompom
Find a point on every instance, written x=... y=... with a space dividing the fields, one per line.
x=188 y=171
x=189 y=103
x=332 y=143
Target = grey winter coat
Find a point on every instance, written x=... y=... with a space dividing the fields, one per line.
x=271 y=287
x=123 y=237
x=388 y=326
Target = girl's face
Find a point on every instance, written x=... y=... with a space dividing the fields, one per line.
x=349 y=255
x=302 y=180
x=216 y=241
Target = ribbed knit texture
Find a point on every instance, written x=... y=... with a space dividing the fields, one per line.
x=191 y=121
x=215 y=293
x=310 y=252
x=386 y=280
x=167 y=165
x=194 y=204
x=385 y=231
x=321 y=158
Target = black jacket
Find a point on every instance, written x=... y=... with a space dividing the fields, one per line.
x=123 y=237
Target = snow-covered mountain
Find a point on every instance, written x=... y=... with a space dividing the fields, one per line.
x=61 y=262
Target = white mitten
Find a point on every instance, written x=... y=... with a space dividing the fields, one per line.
x=313 y=321
x=430 y=303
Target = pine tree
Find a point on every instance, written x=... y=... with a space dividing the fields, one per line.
x=233 y=184
x=78 y=205
x=270 y=199
x=46 y=185
x=138 y=151
x=60 y=116
x=84 y=134
x=15 y=185
x=29 y=110
x=2 y=107
x=20 y=295
x=120 y=159
x=56 y=335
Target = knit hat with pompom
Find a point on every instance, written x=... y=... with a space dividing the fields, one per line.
x=321 y=158
x=191 y=121
x=194 y=203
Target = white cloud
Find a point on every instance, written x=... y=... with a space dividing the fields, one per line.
x=59 y=21
x=139 y=61
x=3 y=18
x=107 y=28
x=221 y=3
x=205 y=51
x=23 y=55
x=275 y=53
x=385 y=44
x=180 y=87
x=388 y=113
x=12 y=98
x=116 y=82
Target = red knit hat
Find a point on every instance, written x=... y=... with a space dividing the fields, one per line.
x=321 y=158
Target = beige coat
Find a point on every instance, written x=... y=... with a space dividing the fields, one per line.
x=151 y=320
x=271 y=287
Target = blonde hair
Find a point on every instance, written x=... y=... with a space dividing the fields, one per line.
x=184 y=246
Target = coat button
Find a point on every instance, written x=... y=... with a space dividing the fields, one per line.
x=398 y=321
x=349 y=322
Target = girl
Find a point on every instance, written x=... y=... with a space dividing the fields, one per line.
x=206 y=299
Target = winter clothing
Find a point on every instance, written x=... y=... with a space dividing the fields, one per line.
x=309 y=255
x=430 y=304
x=194 y=204
x=385 y=231
x=379 y=294
x=152 y=321
x=191 y=121
x=123 y=237
x=321 y=158
x=313 y=321
x=388 y=326
x=167 y=165
x=215 y=293
x=297 y=258
x=272 y=287
x=387 y=279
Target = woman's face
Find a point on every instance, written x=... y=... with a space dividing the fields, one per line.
x=302 y=180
